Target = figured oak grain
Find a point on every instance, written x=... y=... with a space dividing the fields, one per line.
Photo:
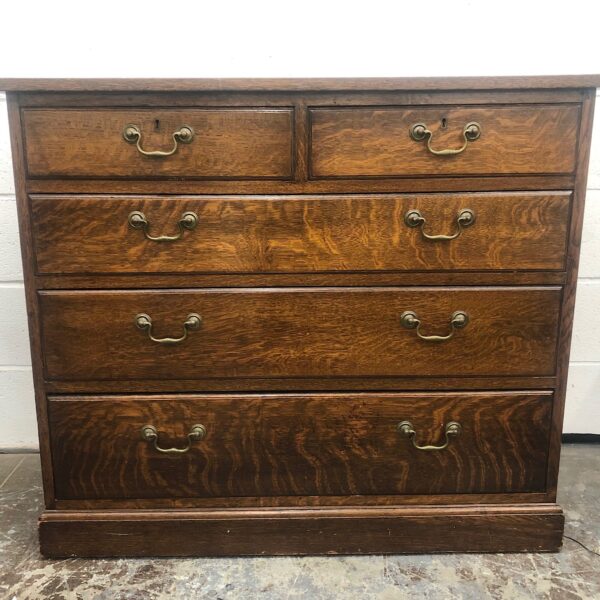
x=306 y=332
x=300 y=445
x=375 y=142
x=287 y=234
x=295 y=341
x=228 y=143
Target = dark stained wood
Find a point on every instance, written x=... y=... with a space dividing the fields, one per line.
x=529 y=528
x=214 y=98
x=300 y=445
x=33 y=309
x=568 y=304
x=302 y=84
x=270 y=234
x=323 y=186
x=300 y=501
x=234 y=143
x=343 y=279
x=313 y=332
x=290 y=384
x=375 y=142
x=304 y=336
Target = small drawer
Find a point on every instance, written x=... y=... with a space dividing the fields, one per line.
x=304 y=332
x=297 y=445
x=443 y=140
x=298 y=234
x=252 y=143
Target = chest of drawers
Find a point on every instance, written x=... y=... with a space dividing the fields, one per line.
x=300 y=316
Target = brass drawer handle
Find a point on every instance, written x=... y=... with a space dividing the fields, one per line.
x=453 y=429
x=464 y=218
x=133 y=135
x=471 y=132
x=192 y=323
x=138 y=220
x=150 y=434
x=410 y=320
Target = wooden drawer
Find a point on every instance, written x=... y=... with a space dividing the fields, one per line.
x=252 y=143
x=279 y=234
x=293 y=445
x=305 y=332
x=376 y=141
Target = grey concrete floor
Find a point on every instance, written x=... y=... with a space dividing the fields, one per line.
x=571 y=574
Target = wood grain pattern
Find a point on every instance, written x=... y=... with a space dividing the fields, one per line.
x=375 y=142
x=269 y=234
x=300 y=84
x=33 y=308
x=568 y=304
x=341 y=332
x=396 y=185
x=301 y=184
x=330 y=279
x=300 y=445
x=229 y=143
x=250 y=502
x=530 y=528
x=291 y=384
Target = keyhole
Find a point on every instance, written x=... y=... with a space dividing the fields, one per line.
x=444 y=122
x=156 y=124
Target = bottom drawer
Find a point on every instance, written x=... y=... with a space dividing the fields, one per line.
x=299 y=444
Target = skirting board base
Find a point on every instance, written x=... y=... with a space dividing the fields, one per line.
x=305 y=531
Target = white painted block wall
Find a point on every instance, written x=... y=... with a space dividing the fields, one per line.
x=17 y=414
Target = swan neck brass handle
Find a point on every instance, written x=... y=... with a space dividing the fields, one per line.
x=132 y=134
x=191 y=323
x=464 y=218
x=150 y=434
x=410 y=320
x=138 y=220
x=420 y=132
x=452 y=429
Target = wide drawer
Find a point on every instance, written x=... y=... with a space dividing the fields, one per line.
x=305 y=332
x=279 y=234
x=290 y=445
x=379 y=141
x=225 y=143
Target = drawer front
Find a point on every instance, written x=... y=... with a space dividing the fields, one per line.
x=249 y=143
x=295 y=445
x=503 y=231
x=306 y=332
x=377 y=142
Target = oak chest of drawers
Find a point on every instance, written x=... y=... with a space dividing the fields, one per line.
x=295 y=317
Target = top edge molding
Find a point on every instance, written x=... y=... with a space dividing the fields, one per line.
x=302 y=85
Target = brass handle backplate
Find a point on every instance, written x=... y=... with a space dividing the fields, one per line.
x=410 y=320
x=453 y=429
x=191 y=323
x=420 y=132
x=150 y=434
x=133 y=135
x=138 y=220
x=464 y=218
